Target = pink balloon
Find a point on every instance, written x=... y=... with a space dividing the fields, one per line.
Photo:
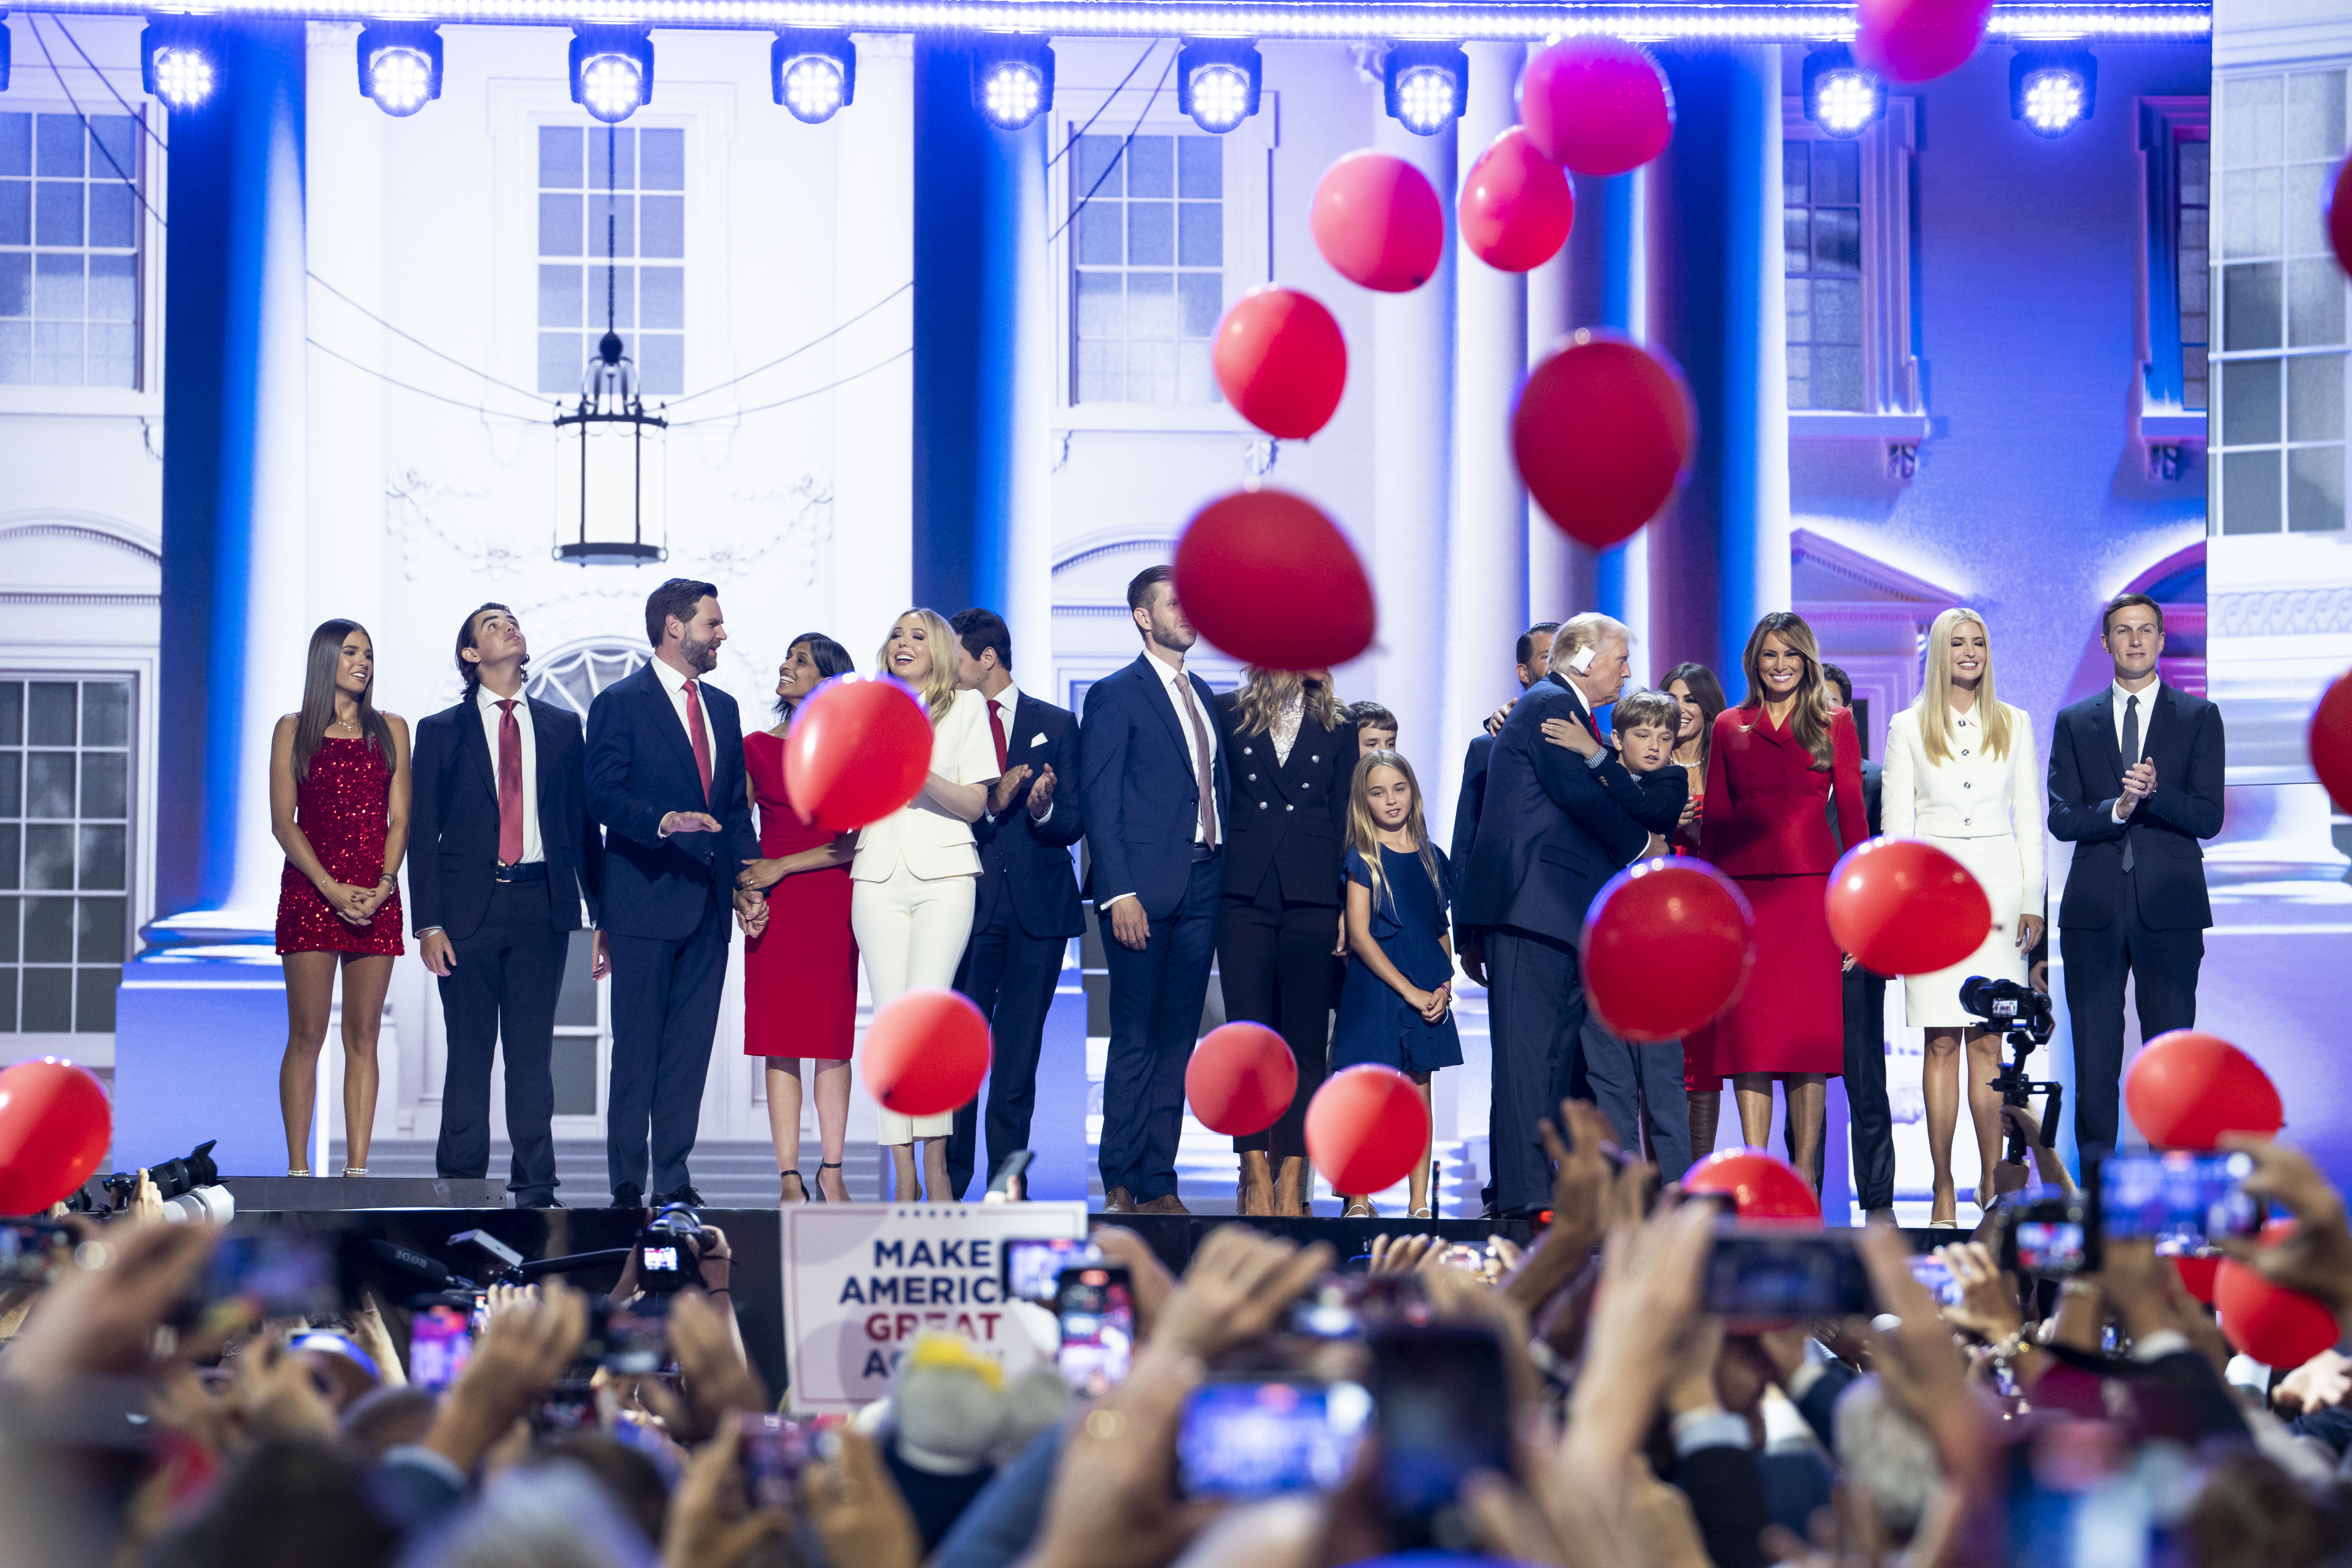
x=1601 y=106
x=1516 y=207
x=1918 y=40
x=1378 y=220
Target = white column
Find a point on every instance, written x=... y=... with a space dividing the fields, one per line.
x=1560 y=570
x=1029 y=533
x=873 y=417
x=1637 y=323
x=1772 y=586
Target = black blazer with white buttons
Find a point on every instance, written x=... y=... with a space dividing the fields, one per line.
x=1292 y=817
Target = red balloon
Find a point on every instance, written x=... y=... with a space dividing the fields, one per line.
x=1516 y=207
x=2330 y=737
x=1366 y=1129
x=1603 y=433
x=1918 y=40
x=1241 y=1079
x=858 y=748
x=1761 y=1185
x=2339 y=215
x=1378 y=221
x=1281 y=360
x=926 y=1052
x=1672 y=916
x=2188 y=1087
x=55 y=1125
x=1269 y=578
x=1902 y=907
x=2276 y=1326
x=1601 y=106
x=2197 y=1271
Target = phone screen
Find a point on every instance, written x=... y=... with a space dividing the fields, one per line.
x=277 y=1274
x=628 y=1340
x=775 y=1452
x=1033 y=1268
x=2177 y=1196
x=1096 y=1305
x=440 y=1344
x=1250 y=1437
x=1766 y=1272
x=570 y=1407
x=1936 y=1276
x=2050 y=1246
x=32 y=1251
x=1441 y=1414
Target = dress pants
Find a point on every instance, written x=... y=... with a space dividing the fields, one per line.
x=665 y=995
x=1639 y=1088
x=501 y=993
x=1274 y=966
x=1009 y=975
x=1870 y=1121
x=1535 y=1010
x=1155 y=1017
x=911 y=933
x=2162 y=966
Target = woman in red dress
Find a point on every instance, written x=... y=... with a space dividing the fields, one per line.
x=800 y=971
x=339 y=806
x=1776 y=761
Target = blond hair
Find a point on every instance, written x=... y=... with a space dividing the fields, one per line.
x=1809 y=720
x=1364 y=833
x=938 y=689
x=1267 y=692
x=1934 y=707
x=1589 y=631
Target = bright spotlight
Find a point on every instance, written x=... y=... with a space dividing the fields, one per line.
x=400 y=65
x=175 y=63
x=1841 y=97
x=1426 y=85
x=2052 y=89
x=612 y=70
x=1217 y=81
x=1013 y=80
x=812 y=72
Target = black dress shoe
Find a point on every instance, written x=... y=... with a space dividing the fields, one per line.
x=536 y=1200
x=684 y=1194
x=627 y=1196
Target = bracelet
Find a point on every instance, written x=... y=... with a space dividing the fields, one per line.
x=2078 y=1287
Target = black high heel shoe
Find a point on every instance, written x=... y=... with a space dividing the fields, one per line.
x=795 y=1176
x=817 y=1191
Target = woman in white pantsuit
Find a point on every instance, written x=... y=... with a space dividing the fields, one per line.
x=1960 y=775
x=915 y=871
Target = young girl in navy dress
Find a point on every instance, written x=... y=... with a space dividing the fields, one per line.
x=1397 y=1005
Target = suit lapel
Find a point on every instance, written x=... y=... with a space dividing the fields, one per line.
x=2111 y=749
x=2160 y=720
x=668 y=723
x=1148 y=667
x=477 y=746
x=542 y=744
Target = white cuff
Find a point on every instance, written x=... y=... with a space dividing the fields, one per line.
x=1102 y=904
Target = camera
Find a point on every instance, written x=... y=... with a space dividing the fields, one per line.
x=2048 y=1233
x=2008 y=1006
x=190 y=1186
x=669 y=1251
x=2024 y=1016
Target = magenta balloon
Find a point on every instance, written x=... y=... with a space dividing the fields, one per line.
x=1601 y=106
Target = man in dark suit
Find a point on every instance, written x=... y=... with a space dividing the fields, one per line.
x=1555 y=827
x=2134 y=782
x=1026 y=906
x=665 y=778
x=1155 y=785
x=502 y=853
x=1870 y=1120
x=1535 y=663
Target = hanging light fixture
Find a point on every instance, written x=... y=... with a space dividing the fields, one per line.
x=610 y=468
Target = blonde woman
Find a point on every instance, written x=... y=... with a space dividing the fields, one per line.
x=1960 y=775
x=915 y=871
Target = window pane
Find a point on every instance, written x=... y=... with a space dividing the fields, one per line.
x=48 y=931
x=1798 y=295
x=613 y=292
x=105 y=789
x=1150 y=308
x=15 y=211
x=1837 y=173
x=99 y=929
x=563 y=362
x=12 y=712
x=2250 y=306
x=1792 y=171
x=1200 y=235
x=58 y=145
x=1199 y=297
x=559 y=225
x=661 y=160
x=113 y=215
x=1102 y=305
x=106 y=713
x=1796 y=239
x=559 y=304
x=559 y=156
x=2315 y=398
x=662 y=296
x=2307 y=207
x=48 y=1001
x=102 y=857
x=612 y=159
x=1837 y=378
x=1800 y=377
x=9 y=835
x=1199 y=166
x=1100 y=242
x=113 y=288
x=58 y=293
x=2314 y=490
x=113 y=147
x=1151 y=372
x=2314 y=302
x=49 y=785
x=2249 y=402
x=2314 y=115
x=1100 y=377
x=11 y=784
x=113 y=354
x=1837 y=314
x=94 y=1000
x=2249 y=121
x=573 y=1066
x=16 y=143
x=56 y=210
x=619 y=237
x=1100 y=168
x=662 y=225
x=575 y=1004
x=2249 y=213
x=1150 y=234
x=56 y=352
x=8 y=999
x=8 y=950
x=1196 y=381
x=1837 y=239
x=661 y=363
x=2250 y=492
x=1151 y=167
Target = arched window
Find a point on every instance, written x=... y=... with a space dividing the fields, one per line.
x=572 y=675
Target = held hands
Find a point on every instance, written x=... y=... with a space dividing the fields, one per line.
x=1041 y=794
x=750 y=912
x=1008 y=785
x=1573 y=735
x=2139 y=782
x=687 y=822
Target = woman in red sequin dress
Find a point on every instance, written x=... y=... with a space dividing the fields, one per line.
x=800 y=967
x=339 y=806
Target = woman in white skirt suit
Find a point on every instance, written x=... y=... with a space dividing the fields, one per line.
x=914 y=877
x=1960 y=775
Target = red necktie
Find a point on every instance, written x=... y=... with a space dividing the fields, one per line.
x=509 y=785
x=996 y=728
x=701 y=740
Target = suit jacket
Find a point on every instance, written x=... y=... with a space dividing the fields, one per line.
x=1471 y=799
x=1136 y=780
x=1553 y=829
x=1873 y=789
x=1293 y=816
x=454 y=840
x=1763 y=818
x=641 y=768
x=2087 y=776
x=1022 y=859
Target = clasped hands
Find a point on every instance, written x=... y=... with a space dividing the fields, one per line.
x=356 y=906
x=2139 y=782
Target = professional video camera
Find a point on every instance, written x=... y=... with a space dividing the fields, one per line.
x=2022 y=1015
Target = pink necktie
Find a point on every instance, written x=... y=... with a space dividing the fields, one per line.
x=509 y=785
x=694 y=728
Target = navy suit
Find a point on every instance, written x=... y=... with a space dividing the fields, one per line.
x=1552 y=832
x=1142 y=801
x=1026 y=913
x=669 y=903
x=1469 y=803
x=2147 y=921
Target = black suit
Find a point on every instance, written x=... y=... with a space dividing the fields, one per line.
x=2147 y=921
x=509 y=927
x=1279 y=916
x=1025 y=912
x=1468 y=802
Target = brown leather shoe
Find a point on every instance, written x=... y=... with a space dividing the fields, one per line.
x=1171 y=1204
x=1119 y=1200
x=1256 y=1192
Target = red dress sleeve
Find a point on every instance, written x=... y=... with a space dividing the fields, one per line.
x=1715 y=810
x=1846 y=779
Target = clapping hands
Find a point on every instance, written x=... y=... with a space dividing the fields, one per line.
x=2139 y=782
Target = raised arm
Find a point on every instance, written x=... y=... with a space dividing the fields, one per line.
x=2193 y=804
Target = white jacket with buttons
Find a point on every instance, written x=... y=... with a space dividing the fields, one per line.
x=1969 y=794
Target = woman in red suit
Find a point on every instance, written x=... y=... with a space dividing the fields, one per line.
x=1776 y=761
x=800 y=971
x=339 y=807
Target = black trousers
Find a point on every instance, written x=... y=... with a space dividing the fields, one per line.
x=501 y=994
x=666 y=997
x=1274 y=961
x=1009 y=975
x=1535 y=1010
x=1156 y=997
x=1870 y=1121
x=2162 y=966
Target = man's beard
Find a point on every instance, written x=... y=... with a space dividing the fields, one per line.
x=702 y=657
x=1167 y=638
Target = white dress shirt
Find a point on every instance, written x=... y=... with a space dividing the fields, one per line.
x=1005 y=702
x=675 y=684
x=2146 y=696
x=488 y=700
x=1971 y=794
x=1188 y=703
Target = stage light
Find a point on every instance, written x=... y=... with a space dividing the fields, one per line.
x=1841 y=97
x=1426 y=84
x=2052 y=89
x=612 y=70
x=175 y=63
x=1217 y=81
x=812 y=72
x=400 y=65
x=1011 y=80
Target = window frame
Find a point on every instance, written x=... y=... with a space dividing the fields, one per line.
x=1893 y=370
x=2164 y=124
x=591 y=259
